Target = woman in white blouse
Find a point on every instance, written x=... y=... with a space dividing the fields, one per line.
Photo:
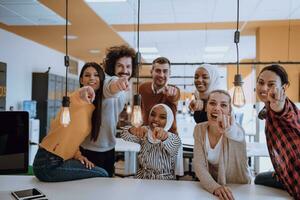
x=158 y=146
x=220 y=148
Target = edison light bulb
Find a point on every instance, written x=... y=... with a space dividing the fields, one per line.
x=184 y=108
x=238 y=94
x=128 y=109
x=136 y=117
x=238 y=97
x=65 y=118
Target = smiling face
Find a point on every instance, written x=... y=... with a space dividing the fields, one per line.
x=158 y=117
x=266 y=80
x=201 y=80
x=90 y=77
x=160 y=74
x=123 y=67
x=217 y=104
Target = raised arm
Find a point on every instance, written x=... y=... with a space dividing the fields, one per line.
x=235 y=132
x=133 y=134
x=114 y=85
x=172 y=93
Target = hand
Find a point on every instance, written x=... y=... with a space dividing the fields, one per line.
x=224 y=122
x=139 y=132
x=274 y=175
x=170 y=90
x=122 y=84
x=223 y=193
x=196 y=105
x=276 y=97
x=87 y=94
x=159 y=133
x=88 y=164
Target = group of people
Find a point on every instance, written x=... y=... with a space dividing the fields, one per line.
x=86 y=148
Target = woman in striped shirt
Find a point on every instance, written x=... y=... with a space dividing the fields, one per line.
x=158 y=146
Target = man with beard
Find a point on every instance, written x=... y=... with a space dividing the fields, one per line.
x=159 y=91
x=118 y=64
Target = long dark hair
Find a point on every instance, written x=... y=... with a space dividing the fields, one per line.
x=96 y=117
x=279 y=71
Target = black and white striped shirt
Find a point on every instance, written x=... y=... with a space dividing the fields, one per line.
x=156 y=161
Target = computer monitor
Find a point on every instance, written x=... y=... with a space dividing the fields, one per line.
x=14 y=131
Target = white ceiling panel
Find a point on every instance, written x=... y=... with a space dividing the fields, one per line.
x=151 y=11
x=275 y=10
x=195 y=11
x=227 y=10
x=295 y=11
x=29 y=9
x=29 y=12
x=6 y=13
x=188 y=46
x=111 y=12
x=15 y=21
x=17 y=1
x=156 y=7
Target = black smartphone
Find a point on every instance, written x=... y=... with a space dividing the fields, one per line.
x=27 y=194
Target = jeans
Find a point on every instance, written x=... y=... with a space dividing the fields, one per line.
x=267 y=179
x=52 y=168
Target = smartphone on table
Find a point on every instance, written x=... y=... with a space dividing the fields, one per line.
x=28 y=194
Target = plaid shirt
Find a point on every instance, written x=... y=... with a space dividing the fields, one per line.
x=283 y=140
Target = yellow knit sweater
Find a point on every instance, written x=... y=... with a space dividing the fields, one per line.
x=65 y=141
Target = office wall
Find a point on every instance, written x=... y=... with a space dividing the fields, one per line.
x=281 y=43
x=23 y=57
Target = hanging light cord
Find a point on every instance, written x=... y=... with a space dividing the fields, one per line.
x=237 y=37
x=138 y=48
x=66 y=56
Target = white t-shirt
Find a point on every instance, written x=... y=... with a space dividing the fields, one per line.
x=213 y=154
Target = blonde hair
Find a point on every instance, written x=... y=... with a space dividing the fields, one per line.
x=221 y=92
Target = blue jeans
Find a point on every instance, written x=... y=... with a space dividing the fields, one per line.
x=267 y=179
x=52 y=168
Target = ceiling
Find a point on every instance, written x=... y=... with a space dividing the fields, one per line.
x=182 y=30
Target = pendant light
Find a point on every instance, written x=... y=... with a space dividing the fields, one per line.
x=184 y=106
x=136 y=117
x=128 y=109
x=238 y=94
x=65 y=118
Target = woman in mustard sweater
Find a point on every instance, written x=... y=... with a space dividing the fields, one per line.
x=58 y=157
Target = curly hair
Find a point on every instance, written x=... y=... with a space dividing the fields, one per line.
x=116 y=52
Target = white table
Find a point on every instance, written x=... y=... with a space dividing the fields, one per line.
x=134 y=189
x=130 y=150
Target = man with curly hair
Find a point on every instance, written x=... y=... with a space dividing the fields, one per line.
x=119 y=67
